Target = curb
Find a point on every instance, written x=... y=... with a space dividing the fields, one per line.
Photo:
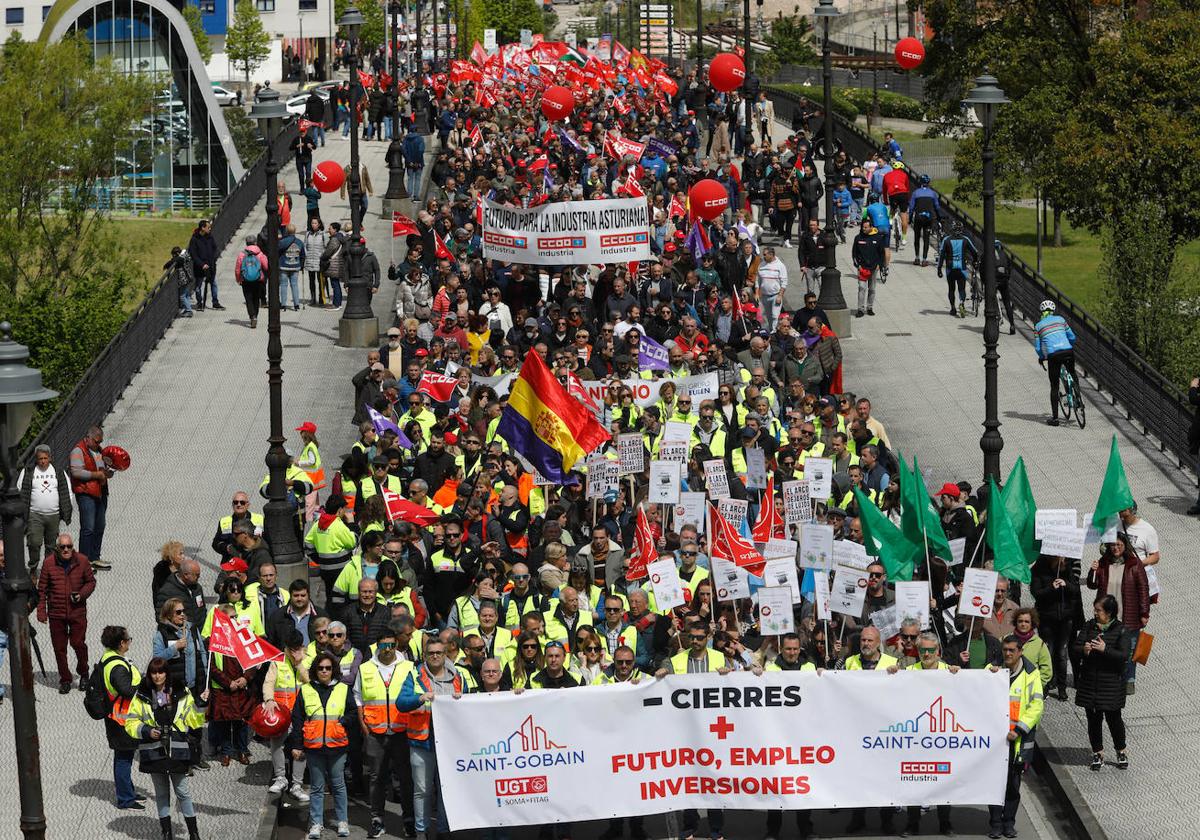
x=1050 y=770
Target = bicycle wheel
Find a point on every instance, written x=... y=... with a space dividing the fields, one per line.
x=1077 y=398
x=1064 y=394
x=976 y=295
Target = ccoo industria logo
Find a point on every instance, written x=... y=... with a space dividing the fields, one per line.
x=934 y=728
x=528 y=747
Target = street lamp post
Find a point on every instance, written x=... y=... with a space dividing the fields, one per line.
x=20 y=391
x=830 y=298
x=279 y=521
x=985 y=97
x=358 y=326
x=396 y=190
x=435 y=35
x=748 y=89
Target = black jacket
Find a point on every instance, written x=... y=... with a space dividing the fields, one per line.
x=364 y=629
x=1062 y=604
x=1100 y=683
x=203 y=250
x=191 y=596
x=435 y=469
x=281 y=624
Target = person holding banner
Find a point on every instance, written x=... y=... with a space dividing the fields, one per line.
x=1025 y=704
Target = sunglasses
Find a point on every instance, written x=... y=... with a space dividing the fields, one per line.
x=612 y=609
x=514 y=577
x=456 y=535
x=688 y=553
x=593 y=648
x=623 y=661
x=240 y=502
x=324 y=668
x=336 y=635
x=65 y=547
x=875 y=575
x=529 y=646
x=927 y=650
x=180 y=612
x=475 y=649
x=699 y=638
x=911 y=638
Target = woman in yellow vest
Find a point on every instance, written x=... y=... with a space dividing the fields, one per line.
x=527 y=662
x=310 y=462
x=322 y=719
x=121 y=679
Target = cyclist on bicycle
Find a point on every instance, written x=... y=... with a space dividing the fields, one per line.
x=923 y=210
x=877 y=214
x=956 y=252
x=1055 y=341
x=1003 y=270
x=896 y=189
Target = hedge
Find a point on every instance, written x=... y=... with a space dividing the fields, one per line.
x=842 y=105
x=891 y=104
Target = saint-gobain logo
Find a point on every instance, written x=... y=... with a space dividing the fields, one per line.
x=521 y=786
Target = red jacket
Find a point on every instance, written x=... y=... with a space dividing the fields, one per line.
x=1135 y=589
x=56 y=585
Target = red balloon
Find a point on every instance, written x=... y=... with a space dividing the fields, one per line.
x=910 y=52
x=557 y=102
x=115 y=457
x=726 y=72
x=708 y=199
x=269 y=724
x=328 y=176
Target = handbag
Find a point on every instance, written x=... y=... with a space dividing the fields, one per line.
x=1141 y=652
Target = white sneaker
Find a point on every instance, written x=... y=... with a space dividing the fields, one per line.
x=277 y=786
x=314 y=832
x=343 y=829
x=298 y=793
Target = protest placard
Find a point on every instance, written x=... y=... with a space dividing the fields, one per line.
x=668 y=588
x=716 y=478
x=756 y=469
x=912 y=600
x=690 y=511
x=1062 y=517
x=602 y=478
x=729 y=581
x=958 y=549
x=978 y=592
x=850 y=555
x=734 y=511
x=631 y=454
x=664 y=483
x=816 y=546
x=1063 y=541
x=673 y=451
x=819 y=473
x=797 y=507
x=677 y=431
x=1095 y=535
x=821 y=595
x=775 y=611
x=781 y=571
x=848 y=592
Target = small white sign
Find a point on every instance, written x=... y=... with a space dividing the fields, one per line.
x=958 y=550
x=1063 y=541
x=887 y=622
x=756 y=469
x=674 y=451
x=848 y=592
x=668 y=588
x=734 y=512
x=775 y=611
x=717 y=479
x=850 y=555
x=690 y=511
x=729 y=581
x=819 y=473
x=912 y=600
x=816 y=547
x=664 y=483
x=797 y=507
x=781 y=571
x=821 y=595
x=677 y=431
x=978 y=592
x=631 y=454
x=602 y=478
x=1062 y=517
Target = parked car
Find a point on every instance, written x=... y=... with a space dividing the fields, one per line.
x=224 y=95
x=297 y=102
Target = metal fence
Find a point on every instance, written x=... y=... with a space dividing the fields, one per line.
x=105 y=380
x=890 y=81
x=1147 y=398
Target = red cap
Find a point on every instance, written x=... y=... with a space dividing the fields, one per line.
x=422 y=352
x=670 y=248
x=235 y=564
x=949 y=489
x=307 y=426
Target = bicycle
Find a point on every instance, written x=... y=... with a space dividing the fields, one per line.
x=1069 y=397
x=976 y=291
x=897 y=233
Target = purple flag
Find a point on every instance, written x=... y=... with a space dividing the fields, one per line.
x=381 y=423
x=570 y=141
x=662 y=147
x=697 y=242
x=652 y=355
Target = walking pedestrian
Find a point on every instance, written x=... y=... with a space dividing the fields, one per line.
x=203 y=250
x=64 y=586
x=868 y=257
x=180 y=271
x=89 y=483
x=1103 y=650
x=46 y=495
x=250 y=272
x=384 y=727
x=281 y=686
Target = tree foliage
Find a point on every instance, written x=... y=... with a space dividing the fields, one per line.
x=191 y=13
x=791 y=40
x=373 y=34
x=509 y=17
x=246 y=42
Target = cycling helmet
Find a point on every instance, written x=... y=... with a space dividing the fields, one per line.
x=957 y=228
x=923 y=180
x=1047 y=306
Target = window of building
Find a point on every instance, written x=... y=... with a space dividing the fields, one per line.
x=14 y=16
x=308 y=5
x=208 y=7
x=265 y=5
x=46 y=12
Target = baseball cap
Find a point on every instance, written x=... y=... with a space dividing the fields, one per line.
x=235 y=564
x=421 y=353
x=307 y=426
x=394 y=332
x=531 y=322
x=949 y=489
x=450 y=316
x=378 y=366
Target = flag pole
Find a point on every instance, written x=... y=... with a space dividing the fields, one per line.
x=929 y=575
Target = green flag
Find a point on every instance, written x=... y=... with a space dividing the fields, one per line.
x=919 y=519
x=1007 y=552
x=1115 y=494
x=1018 y=500
x=884 y=540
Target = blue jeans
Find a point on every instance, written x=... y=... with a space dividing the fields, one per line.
x=425 y=787
x=335 y=287
x=414 y=183
x=322 y=768
x=343 y=118
x=3 y=651
x=317 y=132
x=91 y=525
x=292 y=279
x=185 y=299
x=229 y=737
x=123 y=777
x=163 y=783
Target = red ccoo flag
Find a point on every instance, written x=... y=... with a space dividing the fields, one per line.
x=728 y=544
x=400 y=509
x=403 y=226
x=233 y=638
x=770 y=523
x=644 y=550
x=437 y=385
x=441 y=251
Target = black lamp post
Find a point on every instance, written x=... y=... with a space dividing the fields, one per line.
x=985 y=97
x=20 y=391
x=358 y=326
x=434 y=11
x=279 y=521
x=830 y=298
x=396 y=190
x=420 y=47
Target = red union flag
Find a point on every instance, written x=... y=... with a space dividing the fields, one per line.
x=402 y=225
x=770 y=523
x=728 y=544
x=644 y=551
x=233 y=638
x=400 y=509
x=437 y=385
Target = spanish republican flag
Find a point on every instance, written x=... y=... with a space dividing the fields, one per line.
x=545 y=424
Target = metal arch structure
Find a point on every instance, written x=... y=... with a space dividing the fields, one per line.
x=66 y=14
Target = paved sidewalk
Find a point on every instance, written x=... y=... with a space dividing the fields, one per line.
x=923 y=372
x=195 y=422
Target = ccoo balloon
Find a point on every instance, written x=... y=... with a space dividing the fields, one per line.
x=708 y=199
x=726 y=72
x=557 y=103
x=328 y=176
x=910 y=52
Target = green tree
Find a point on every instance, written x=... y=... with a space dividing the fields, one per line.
x=509 y=17
x=191 y=13
x=374 y=29
x=791 y=40
x=246 y=42
x=63 y=279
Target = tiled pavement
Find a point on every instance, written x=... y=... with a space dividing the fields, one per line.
x=195 y=421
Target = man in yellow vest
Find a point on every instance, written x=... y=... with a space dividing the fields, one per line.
x=1025 y=704
x=384 y=728
x=121 y=679
x=870 y=658
x=280 y=688
x=222 y=542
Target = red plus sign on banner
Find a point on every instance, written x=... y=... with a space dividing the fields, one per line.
x=721 y=728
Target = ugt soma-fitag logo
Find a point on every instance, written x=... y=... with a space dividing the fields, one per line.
x=529 y=747
x=934 y=728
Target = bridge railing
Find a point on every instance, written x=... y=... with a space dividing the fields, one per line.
x=1146 y=397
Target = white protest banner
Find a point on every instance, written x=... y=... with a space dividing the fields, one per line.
x=734 y=511
x=816 y=547
x=978 y=592
x=673 y=451
x=850 y=555
x=664 y=483
x=781 y=571
x=631 y=453
x=819 y=473
x=717 y=479
x=726 y=741
x=958 y=550
x=501 y=383
x=1063 y=517
x=797 y=507
x=729 y=581
x=701 y=387
x=668 y=588
x=489 y=40
x=611 y=230
x=756 y=469
x=848 y=592
x=1060 y=541
x=602 y=478
x=677 y=431
x=1094 y=535
x=1152 y=582
x=775 y=611
x=912 y=600
x=821 y=595
x=690 y=511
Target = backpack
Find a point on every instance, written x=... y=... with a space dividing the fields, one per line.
x=251 y=267
x=95 y=698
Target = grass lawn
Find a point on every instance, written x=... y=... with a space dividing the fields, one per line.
x=149 y=242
